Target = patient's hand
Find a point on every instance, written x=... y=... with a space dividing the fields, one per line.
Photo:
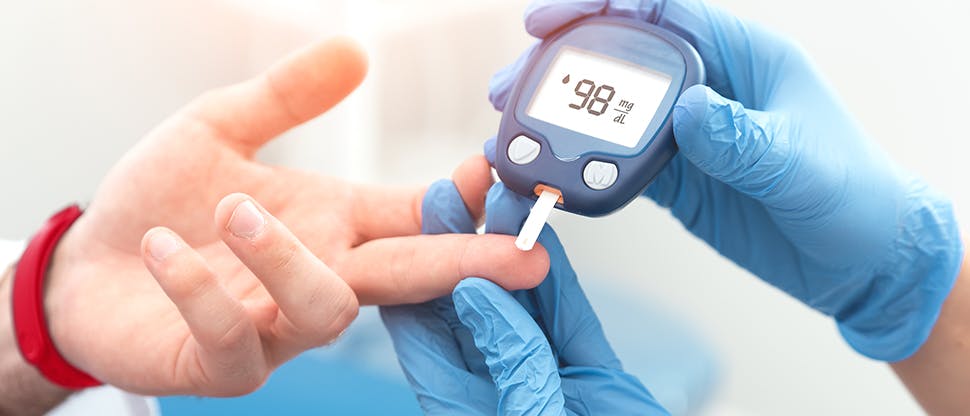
x=236 y=296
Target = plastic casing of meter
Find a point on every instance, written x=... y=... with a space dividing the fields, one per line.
x=564 y=153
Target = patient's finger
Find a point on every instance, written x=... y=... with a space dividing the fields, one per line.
x=386 y=211
x=229 y=350
x=291 y=92
x=316 y=303
x=473 y=178
x=415 y=269
x=383 y=211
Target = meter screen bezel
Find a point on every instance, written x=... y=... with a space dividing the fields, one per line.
x=638 y=48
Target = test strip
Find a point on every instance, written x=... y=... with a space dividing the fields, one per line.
x=537 y=218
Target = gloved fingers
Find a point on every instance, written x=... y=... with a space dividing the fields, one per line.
x=731 y=48
x=751 y=151
x=542 y=17
x=433 y=360
x=505 y=213
x=505 y=210
x=566 y=314
x=316 y=304
x=444 y=211
x=224 y=338
x=435 y=350
x=489 y=149
x=586 y=393
x=294 y=90
x=500 y=85
x=516 y=351
x=422 y=339
x=558 y=303
x=415 y=269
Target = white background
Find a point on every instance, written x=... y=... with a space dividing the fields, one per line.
x=81 y=80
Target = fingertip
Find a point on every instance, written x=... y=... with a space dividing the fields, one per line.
x=499 y=87
x=536 y=268
x=543 y=17
x=473 y=178
x=501 y=84
x=489 y=150
x=501 y=262
x=690 y=109
x=314 y=79
x=350 y=54
x=443 y=210
x=226 y=207
x=175 y=265
x=474 y=294
x=505 y=210
x=701 y=116
x=160 y=243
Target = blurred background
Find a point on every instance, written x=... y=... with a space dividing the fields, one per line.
x=82 y=80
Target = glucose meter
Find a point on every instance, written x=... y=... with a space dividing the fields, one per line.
x=588 y=124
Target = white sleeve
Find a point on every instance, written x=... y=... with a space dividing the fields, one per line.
x=10 y=251
x=105 y=400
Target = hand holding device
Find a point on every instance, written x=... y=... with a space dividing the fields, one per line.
x=775 y=174
x=588 y=123
x=485 y=351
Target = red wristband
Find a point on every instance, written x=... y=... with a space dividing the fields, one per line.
x=29 y=321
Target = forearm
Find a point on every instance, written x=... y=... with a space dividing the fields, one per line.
x=23 y=391
x=939 y=373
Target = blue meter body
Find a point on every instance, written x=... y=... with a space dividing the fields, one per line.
x=590 y=117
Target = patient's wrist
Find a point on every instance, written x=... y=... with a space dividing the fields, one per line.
x=23 y=391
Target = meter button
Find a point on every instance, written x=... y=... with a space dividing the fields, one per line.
x=523 y=150
x=600 y=175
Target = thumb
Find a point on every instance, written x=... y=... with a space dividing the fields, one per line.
x=751 y=151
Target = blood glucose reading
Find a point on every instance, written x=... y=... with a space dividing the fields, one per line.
x=598 y=96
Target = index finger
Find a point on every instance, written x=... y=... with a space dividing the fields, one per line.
x=401 y=270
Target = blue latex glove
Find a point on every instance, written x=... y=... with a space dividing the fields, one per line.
x=485 y=351
x=776 y=175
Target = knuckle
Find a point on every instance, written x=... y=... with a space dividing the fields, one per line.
x=346 y=309
x=338 y=307
x=235 y=338
x=283 y=258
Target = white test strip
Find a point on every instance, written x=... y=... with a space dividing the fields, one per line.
x=537 y=218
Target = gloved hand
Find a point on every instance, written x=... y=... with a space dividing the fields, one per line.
x=775 y=174
x=485 y=351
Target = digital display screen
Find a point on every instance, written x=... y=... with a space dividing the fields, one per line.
x=599 y=96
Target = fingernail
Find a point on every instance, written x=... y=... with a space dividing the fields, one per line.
x=162 y=244
x=246 y=221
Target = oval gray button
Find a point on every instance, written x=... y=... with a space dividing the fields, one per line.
x=523 y=150
x=599 y=175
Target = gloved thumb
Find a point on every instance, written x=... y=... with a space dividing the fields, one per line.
x=519 y=358
x=748 y=150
